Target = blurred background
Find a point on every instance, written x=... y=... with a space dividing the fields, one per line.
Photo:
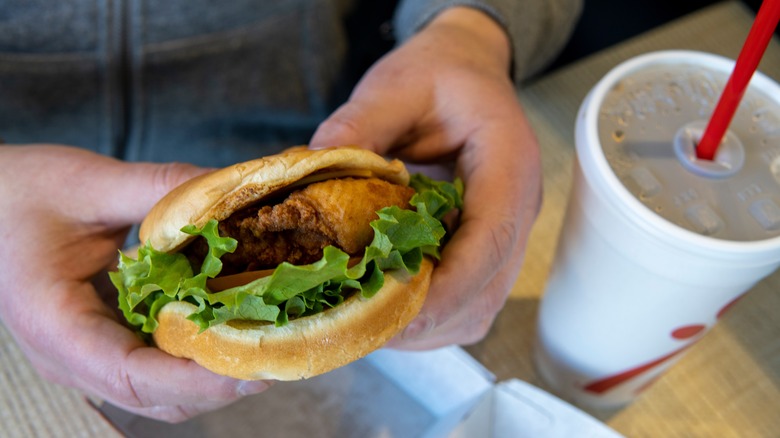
x=608 y=22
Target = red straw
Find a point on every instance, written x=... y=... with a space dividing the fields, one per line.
x=747 y=63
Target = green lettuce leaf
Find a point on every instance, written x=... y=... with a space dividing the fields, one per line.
x=401 y=239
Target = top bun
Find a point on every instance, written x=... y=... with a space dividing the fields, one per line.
x=219 y=194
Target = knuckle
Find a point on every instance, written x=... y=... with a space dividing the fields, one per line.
x=169 y=175
x=121 y=389
x=504 y=234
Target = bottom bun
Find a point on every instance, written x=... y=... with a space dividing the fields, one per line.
x=303 y=348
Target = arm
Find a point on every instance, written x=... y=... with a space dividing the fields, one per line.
x=445 y=94
x=537 y=29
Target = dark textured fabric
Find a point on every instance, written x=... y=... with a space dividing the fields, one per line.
x=538 y=29
x=260 y=81
x=204 y=81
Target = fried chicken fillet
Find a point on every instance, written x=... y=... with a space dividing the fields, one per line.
x=333 y=212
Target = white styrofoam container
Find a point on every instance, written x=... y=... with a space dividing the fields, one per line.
x=442 y=393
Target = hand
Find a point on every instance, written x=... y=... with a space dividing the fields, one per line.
x=446 y=94
x=65 y=213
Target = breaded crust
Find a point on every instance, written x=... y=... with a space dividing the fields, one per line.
x=218 y=194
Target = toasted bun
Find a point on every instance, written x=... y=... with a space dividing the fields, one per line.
x=219 y=194
x=303 y=348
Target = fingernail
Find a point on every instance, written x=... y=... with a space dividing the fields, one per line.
x=419 y=327
x=249 y=387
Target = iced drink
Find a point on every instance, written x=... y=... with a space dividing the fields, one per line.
x=656 y=244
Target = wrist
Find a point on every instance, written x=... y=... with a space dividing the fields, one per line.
x=481 y=29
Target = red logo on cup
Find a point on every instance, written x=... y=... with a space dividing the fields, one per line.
x=682 y=333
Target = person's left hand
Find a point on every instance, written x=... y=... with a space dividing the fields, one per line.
x=446 y=95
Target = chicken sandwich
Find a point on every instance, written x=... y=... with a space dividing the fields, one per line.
x=287 y=266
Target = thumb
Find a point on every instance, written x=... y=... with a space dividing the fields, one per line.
x=355 y=124
x=138 y=186
x=372 y=119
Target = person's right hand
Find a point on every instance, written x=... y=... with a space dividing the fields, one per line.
x=445 y=97
x=64 y=213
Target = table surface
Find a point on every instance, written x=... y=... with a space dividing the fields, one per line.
x=728 y=384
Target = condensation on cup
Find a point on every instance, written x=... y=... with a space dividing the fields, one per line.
x=657 y=244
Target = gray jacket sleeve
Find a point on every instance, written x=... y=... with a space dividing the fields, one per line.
x=538 y=29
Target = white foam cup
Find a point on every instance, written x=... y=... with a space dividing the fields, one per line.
x=630 y=291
